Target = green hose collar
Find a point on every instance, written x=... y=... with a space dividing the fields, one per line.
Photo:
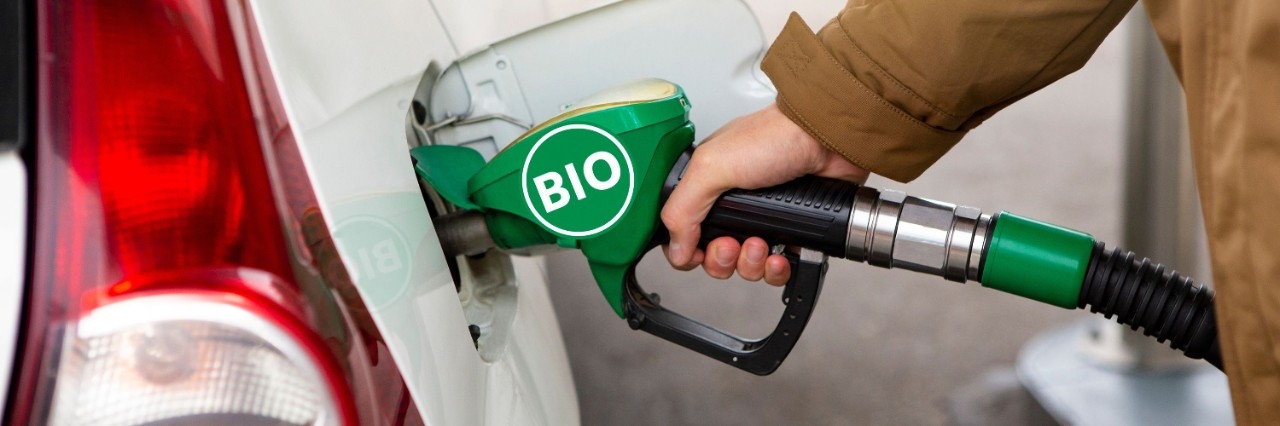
x=1036 y=260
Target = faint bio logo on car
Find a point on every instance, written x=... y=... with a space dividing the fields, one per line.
x=377 y=256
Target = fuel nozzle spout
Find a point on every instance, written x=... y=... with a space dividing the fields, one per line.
x=463 y=233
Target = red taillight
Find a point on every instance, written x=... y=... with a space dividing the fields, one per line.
x=154 y=203
x=159 y=119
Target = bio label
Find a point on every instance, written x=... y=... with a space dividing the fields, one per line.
x=577 y=180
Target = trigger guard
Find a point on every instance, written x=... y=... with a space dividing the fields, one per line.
x=759 y=356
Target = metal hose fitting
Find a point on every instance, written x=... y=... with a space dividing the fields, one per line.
x=891 y=229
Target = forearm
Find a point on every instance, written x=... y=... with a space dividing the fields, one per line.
x=892 y=86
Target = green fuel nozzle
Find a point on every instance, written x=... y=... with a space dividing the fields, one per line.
x=595 y=177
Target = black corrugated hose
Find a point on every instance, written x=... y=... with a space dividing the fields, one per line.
x=1159 y=301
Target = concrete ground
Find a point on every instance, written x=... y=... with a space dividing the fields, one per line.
x=883 y=347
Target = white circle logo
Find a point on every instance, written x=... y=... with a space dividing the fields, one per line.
x=574 y=179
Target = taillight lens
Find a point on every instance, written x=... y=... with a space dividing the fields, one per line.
x=194 y=358
x=162 y=286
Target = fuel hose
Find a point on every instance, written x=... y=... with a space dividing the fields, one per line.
x=1004 y=251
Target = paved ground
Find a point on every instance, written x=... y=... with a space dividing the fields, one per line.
x=884 y=347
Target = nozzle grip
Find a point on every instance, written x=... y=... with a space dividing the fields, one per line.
x=811 y=212
x=760 y=356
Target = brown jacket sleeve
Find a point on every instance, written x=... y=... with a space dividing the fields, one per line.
x=892 y=85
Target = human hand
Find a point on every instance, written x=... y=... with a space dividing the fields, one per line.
x=757 y=150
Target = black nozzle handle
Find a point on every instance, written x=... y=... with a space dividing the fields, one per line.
x=811 y=212
x=810 y=215
x=758 y=356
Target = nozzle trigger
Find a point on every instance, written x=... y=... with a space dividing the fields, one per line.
x=759 y=356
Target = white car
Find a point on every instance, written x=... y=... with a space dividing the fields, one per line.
x=208 y=212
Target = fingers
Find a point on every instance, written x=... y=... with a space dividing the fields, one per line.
x=722 y=257
x=751 y=259
x=696 y=260
x=777 y=270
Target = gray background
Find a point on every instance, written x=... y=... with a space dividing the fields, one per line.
x=883 y=347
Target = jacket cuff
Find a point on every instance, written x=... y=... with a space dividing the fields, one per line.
x=826 y=100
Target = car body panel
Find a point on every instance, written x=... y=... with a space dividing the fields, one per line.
x=13 y=239
x=347 y=73
x=15 y=96
x=474 y=24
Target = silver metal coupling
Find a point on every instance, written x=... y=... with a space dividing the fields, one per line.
x=891 y=229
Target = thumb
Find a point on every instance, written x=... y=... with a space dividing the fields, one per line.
x=684 y=211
